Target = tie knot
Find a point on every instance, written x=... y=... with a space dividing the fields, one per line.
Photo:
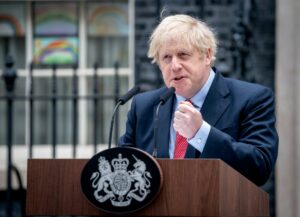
x=190 y=101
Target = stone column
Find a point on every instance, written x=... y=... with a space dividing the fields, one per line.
x=288 y=107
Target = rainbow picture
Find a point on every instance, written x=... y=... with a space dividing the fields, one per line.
x=12 y=19
x=55 y=50
x=55 y=19
x=108 y=19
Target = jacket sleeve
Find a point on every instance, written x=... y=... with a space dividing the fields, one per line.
x=254 y=152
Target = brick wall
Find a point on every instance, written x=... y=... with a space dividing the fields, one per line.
x=251 y=19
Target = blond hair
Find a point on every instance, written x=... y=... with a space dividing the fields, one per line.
x=186 y=30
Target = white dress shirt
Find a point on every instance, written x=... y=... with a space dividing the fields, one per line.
x=200 y=138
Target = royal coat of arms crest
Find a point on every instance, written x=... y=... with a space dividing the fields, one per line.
x=121 y=180
x=119 y=185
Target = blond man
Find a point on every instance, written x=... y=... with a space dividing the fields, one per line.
x=211 y=116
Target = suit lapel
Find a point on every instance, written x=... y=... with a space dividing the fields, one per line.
x=215 y=104
x=216 y=101
x=163 y=134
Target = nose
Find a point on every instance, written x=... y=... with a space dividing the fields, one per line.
x=175 y=64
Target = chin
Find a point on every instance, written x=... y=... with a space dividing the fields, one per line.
x=181 y=93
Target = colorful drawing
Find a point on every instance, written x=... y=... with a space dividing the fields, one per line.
x=107 y=19
x=51 y=19
x=52 y=50
x=12 y=19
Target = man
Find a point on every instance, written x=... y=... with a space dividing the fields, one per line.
x=209 y=115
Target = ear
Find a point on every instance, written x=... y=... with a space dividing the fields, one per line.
x=208 y=57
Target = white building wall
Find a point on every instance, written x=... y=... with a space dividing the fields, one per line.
x=288 y=107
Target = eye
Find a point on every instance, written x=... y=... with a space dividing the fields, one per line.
x=166 y=58
x=183 y=54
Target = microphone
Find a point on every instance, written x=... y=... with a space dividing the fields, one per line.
x=122 y=100
x=162 y=100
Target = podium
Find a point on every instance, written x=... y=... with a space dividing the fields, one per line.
x=191 y=187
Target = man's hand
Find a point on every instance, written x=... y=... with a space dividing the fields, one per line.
x=187 y=120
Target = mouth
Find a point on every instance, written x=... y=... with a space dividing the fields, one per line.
x=178 y=78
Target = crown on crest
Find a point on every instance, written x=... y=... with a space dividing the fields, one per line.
x=120 y=163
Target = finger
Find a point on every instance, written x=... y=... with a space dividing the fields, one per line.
x=178 y=129
x=181 y=131
x=181 y=118
x=180 y=124
x=179 y=115
x=185 y=107
x=188 y=103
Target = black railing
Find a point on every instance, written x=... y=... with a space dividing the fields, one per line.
x=10 y=75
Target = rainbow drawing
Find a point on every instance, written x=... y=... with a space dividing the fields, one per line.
x=51 y=19
x=108 y=19
x=52 y=50
x=12 y=20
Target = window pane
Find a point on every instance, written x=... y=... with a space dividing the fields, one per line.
x=55 y=18
x=19 y=122
x=14 y=46
x=52 y=50
x=55 y=28
x=19 y=112
x=12 y=19
x=107 y=19
x=18 y=115
x=12 y=32
x=107 y=33
x=43 y=112
x=107 y=50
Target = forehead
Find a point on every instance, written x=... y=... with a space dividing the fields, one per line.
x=174 y=46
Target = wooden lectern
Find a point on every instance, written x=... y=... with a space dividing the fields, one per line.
x=193 y=187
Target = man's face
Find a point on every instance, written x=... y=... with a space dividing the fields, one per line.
x=183 y=67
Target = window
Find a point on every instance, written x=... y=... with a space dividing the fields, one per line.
x=66 y=33
x=108 y=32
x=12 y=34
x=12 y=43
x=55 y=33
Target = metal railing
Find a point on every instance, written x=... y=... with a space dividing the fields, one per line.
x=10 y=75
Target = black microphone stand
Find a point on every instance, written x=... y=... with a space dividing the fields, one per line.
x=112 y=123
x=121 y=101
x=162 y=100
x=154 y=154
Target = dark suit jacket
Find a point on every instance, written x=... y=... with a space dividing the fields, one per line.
x=243 y=130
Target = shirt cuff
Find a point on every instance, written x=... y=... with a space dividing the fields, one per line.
x=199 y=140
